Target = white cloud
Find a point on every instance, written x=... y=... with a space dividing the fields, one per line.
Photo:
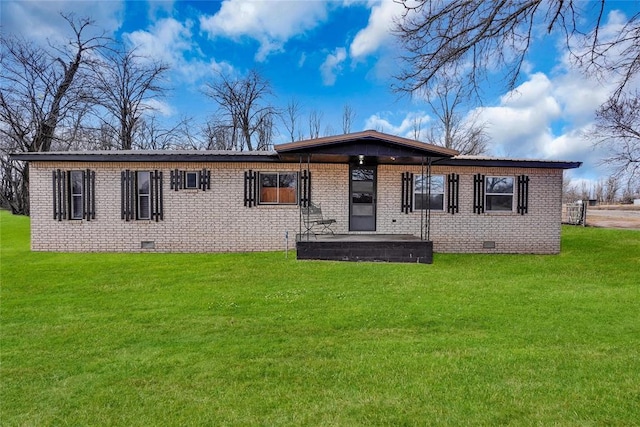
x=161 y=107
x=378 y=30
x=332 y=66
x=165 y=41
x=170 y=42
x=410 y=122
x=40 y=21
x=521 y=125
x=271 y=23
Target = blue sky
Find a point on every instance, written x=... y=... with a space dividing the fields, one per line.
x=326 y=54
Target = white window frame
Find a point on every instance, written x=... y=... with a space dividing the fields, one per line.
x=186 y=180
x=416 y=193
x=488 y=193
x=72 y=196
x=277 y=174
x=140 y=196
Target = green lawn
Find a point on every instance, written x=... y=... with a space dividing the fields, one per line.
x=258 y=339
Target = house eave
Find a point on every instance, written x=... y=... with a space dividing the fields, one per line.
x=504 y=162
x=139 y=156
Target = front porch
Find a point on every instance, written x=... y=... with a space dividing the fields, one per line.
x=365 y=247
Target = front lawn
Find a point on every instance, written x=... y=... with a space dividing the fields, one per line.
x=259 y=339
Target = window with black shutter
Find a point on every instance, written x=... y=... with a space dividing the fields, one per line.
x=74 y=194
x=141 y=195
x=190 y=180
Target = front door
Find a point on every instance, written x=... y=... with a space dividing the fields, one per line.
x=362 y=206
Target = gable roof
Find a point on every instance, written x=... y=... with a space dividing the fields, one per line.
x=381 y=147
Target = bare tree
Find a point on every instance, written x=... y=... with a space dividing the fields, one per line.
x=150 y=134
x=611 y=189
x=469 y=37
x=126 y=85
x=348 y=117
x=291 y=117
x=242 y=104
x=417 y=128
x=220 y=134
x=329 y=130
x=315 y=123
x=451 y=129
x=40 y=90
x=618 y=128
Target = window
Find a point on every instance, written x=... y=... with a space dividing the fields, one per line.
x=278 y=188
x=498 y=193
x=141 y=195
x=421 y=190
x=74 y=195
x=76 y=192
x=144 y=195
x=191 y=180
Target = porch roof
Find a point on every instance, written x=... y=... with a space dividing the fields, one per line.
x=369 y=145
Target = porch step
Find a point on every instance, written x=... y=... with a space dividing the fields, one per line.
x=419 y=251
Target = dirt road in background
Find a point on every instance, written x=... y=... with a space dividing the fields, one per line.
x=614 y=216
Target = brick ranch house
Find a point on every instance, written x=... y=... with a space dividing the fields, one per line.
x=392 y=199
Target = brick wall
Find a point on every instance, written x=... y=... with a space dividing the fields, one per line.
x=216 y=220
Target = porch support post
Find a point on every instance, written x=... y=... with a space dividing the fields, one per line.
x=309 y=193
x=299 y=201
x=428 y=213
x=422 y=214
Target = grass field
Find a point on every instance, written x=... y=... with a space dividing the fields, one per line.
x=257 y=339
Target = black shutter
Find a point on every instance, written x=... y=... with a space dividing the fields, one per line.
x=406 y=193
x=60 y=195
x=478 y=193
x=453 y=189
x=127 y=195
x=176 y=179
x=205 y=180
x=523 y=194
x=89 y=194
x=250 y=188
x=305 y=188
x=156 y=196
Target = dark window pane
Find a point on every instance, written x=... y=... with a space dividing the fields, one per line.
x=144 y=209
x=362 y=186
x=499 y=203
x=437 y=202
x=143 y=182
x=76 y=182
x=362 y=197
x=288 y=180
x=76 y=207
x=421 y=192
x=192 y=180
x=269 y=179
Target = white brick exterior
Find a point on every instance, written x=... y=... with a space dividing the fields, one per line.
x=216 y=220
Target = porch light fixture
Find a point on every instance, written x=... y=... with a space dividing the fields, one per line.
x=361 y=159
